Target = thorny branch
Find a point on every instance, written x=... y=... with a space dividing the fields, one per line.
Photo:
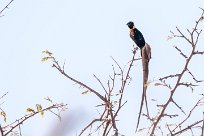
x=170 y=76
x=194 y=36
x=179 y=50
x=188 y=127
x=197 y=81
x=61 y=70
x=112 y=101
x=191 y=111
x=6 y=130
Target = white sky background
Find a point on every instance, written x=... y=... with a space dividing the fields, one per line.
x=86 y=34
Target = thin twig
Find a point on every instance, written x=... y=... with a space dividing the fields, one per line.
x=170 y=76
x=92 y=122
x=188 y=127
x=6 y=7
x=100 y=83
x=3 y=95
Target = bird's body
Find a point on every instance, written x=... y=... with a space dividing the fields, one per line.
x=139 y=40
x=137 y=37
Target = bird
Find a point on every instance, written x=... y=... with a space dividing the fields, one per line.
x=139 y=40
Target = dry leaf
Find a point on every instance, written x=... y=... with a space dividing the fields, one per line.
x=47 y=52
x=45 y=58
x=4 y=115
x=85 y=92
x=39 y=109
x=30 y=110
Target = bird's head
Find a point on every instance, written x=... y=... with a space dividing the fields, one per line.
x=130 y=25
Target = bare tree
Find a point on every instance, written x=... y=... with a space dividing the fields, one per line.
x=112 y=103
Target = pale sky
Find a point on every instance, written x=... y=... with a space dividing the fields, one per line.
x=85 y=34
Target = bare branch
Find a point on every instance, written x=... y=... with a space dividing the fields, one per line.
x=182 y=35
x=6 y=7
x=171 y=116
x=191 y=111
x=179 y=50
x=20 y=121
x=57 y=66
x=170 y=76
x=178 y=107
x=106 y=131
x=178 y=82
x=3 y=95
x=188 y=127
x=197 y=81
x=198 y=35
x=101 y=83
x=92 y=122
x=199 y=52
